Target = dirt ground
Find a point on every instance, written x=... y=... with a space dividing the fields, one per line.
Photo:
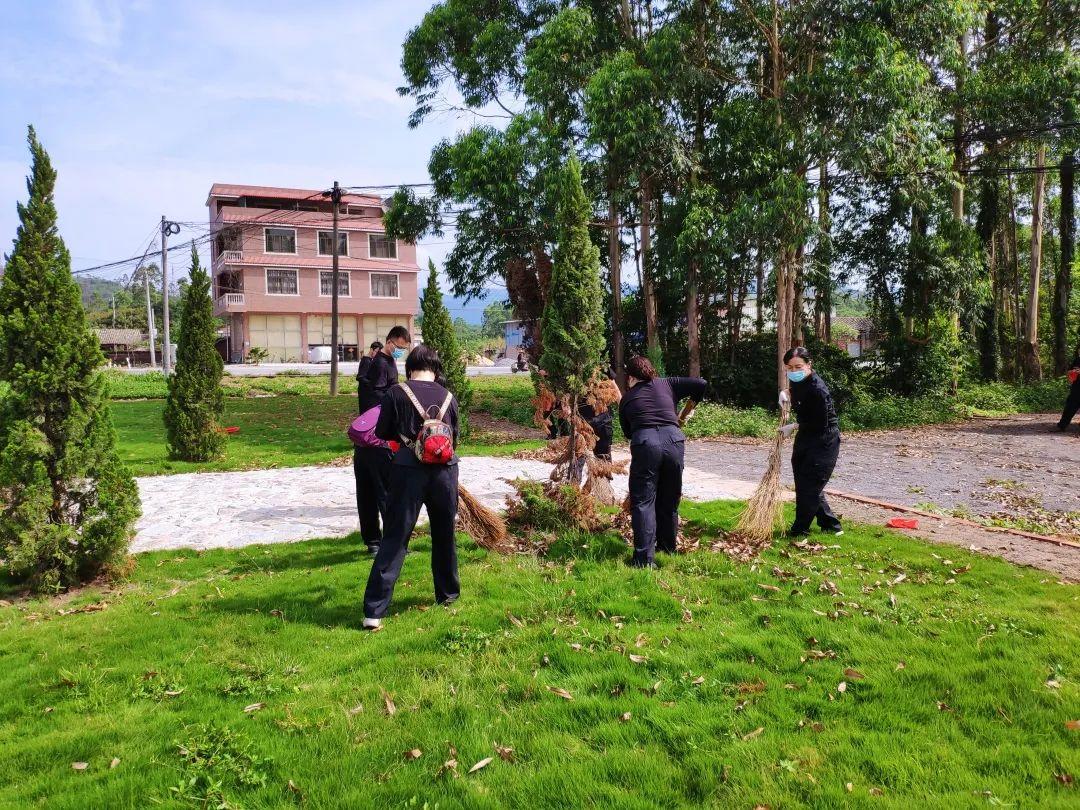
x=1016 y=466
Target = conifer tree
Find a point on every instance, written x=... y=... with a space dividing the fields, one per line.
x=438 y=329
x=68 y=505
x=573 y=323
x=195 y=402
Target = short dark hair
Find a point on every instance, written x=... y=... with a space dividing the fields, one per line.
x=423 y=358
x=640 y=368
x=376 y=345
x=398 y=333
x=799 y=351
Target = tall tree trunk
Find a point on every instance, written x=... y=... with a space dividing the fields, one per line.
x=652 y=341
x=1030 y=350
x=823 y=298
x=693 y=335
x=798 y=298
x=1063 y=277
x=987 y=227
x=615 y=276
x=759 y=314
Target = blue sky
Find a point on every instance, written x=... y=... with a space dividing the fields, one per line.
x=142 y=105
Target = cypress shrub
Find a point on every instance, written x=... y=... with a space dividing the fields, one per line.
x=195 y=401
x=69 y=505
x=438 y=329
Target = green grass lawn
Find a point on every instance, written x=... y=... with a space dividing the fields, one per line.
x=275 y=431
x=242 y=676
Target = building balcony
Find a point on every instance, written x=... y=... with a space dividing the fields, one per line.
x=225 y=257
x=229 y=302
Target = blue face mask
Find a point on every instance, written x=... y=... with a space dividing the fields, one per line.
x=798 y=376
x=399 y=354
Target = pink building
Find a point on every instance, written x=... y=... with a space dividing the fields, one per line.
x=271 y=258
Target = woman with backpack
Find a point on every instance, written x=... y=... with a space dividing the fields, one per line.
x=423 y=415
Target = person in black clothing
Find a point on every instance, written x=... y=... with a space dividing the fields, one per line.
x=603 y=424
x=1072 y=401
x=817 y=444
x=362 y=371
x=371 y=465
x=382 y=374
x=648 y=418
x=414 y=484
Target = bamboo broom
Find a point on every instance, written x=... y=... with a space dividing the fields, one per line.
x=764 y=511
x=482 y=524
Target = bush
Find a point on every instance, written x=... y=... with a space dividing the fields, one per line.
x=550 y=507
x=866 y=411
x=69 y=504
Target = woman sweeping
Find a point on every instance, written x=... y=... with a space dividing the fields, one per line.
x=649 y=419
x=817 y=443
x=423 y=416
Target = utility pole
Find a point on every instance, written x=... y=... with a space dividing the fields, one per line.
x=167 y=228
x=114 y=311
x=335 y=198
x=149 y=317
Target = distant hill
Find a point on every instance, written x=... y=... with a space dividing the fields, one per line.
x=90 y=285
x=471 y=311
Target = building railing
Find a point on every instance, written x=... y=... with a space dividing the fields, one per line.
x=233 y=256
x=230 y=300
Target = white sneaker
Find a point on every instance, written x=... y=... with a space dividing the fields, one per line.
x=372 y=624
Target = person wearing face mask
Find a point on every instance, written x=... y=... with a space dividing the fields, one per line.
x=371 y=459
x=1072 y=401
x=817 y=443
x=649 y=419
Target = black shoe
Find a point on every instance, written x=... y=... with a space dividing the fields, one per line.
x=642 y=564
x=373 y=550
x=447 y=601
x=794 y=535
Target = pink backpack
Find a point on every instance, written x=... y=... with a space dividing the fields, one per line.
x=362 y=430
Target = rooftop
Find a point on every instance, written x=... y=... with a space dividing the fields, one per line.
x=231 y=190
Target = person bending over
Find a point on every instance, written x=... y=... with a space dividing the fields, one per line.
x=1072 y=401
x=416 y=483
x=649 y=420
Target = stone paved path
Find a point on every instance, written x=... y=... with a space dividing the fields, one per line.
x=229 y=510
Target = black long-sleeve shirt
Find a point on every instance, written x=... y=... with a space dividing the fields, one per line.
x=399 y=418
x=652 y=403
x=814 y=409
x=375 y=379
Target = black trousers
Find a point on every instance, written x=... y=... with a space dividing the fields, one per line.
x=1072 y=405
x=605 y=432
x=433 y=486
x=371 y=468
x=656 y=467
x=812 y=464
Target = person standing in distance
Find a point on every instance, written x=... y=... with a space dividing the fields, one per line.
x=417 y=481
x=817 y=444
x=649 y=420
x=371 y=465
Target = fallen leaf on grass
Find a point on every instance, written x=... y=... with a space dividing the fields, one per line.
x=1065 y=778
x=173 y=692
x=413 y=753
x=698 y=681
x=391 y=709
x=481 y=764
x=899 y=579
x=292 y=787
x=875 y=791
x=841 y=687
x=560 y=692
x=1052 y=684
x=638 y=659
x=687 y=616
x=656 y=686
x=943 y=706
x=901 y=665
x=505 y=752
x=624 y=717
x=355 y=710
x=514 y=620
x=755 y=733
x=1072 y=725
x=849 y=787
x=771 y=588
x=853 y=675
x=254 y=707
x=114 y=763
x=80 y=766
x=48 y=709
x=752 y=687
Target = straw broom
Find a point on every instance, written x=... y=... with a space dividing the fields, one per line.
x=482 y=524
x=764 y=511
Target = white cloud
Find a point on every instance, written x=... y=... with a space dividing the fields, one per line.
x=99 y=22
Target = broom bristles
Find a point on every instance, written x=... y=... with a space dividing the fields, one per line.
x=765 y=510
x=483 y=525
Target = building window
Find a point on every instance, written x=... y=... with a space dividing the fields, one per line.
x=280 y=240
x=384 y=285
x=326 y=243
x=326 y=283
x=381 y=247
x=282 y=281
